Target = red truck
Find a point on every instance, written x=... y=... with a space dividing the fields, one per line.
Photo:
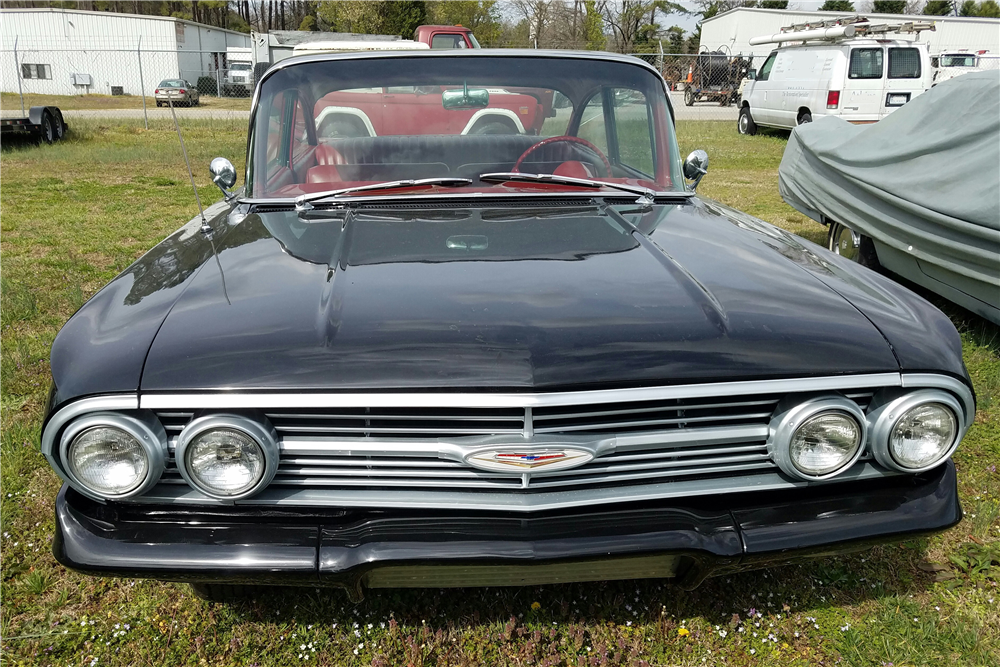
x=446 y=37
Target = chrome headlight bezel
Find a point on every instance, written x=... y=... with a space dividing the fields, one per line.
x=146 y=429
x=786 y=422
x=261 y=433
x=883 y=420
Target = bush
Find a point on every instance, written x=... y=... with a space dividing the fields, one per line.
x=207 y=85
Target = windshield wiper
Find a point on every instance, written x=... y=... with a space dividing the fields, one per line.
x=303 y=202
x=646 y=196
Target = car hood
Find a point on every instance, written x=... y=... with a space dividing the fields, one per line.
x=530 y=297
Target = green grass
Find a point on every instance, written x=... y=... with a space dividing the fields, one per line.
x=11 y=102
x=76 y=213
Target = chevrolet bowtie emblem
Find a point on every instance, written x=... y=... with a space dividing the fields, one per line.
x=525 y=460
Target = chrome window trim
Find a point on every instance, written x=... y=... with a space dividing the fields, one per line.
x=247 y=400
x=681 y=195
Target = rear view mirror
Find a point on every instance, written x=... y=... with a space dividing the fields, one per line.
x=466 y=98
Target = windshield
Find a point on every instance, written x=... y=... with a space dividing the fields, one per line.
x=961 y=60
x=172 y=83
x=240 y=66
x=346 y=122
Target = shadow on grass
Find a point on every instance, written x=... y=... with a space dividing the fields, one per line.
x=813 y=587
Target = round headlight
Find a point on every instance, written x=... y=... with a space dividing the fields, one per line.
x=825 y=443
x=923 y=435
x=225 y=461
x=108 y=460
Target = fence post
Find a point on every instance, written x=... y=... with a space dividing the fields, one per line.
x=17 y=73
x=142 y=83
x=218 y=82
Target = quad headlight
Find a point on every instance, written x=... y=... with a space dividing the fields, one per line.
x=227 y=457
x=819 y=438
x=113 y=456
x=824 y=443
x=917 y=431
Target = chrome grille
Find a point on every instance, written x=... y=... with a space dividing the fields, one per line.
x=396 y=449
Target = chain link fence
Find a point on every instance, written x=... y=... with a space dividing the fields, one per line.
x=121 y=74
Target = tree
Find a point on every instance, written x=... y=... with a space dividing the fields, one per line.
x=938 y=8
x=889 y=6
x=969 y=8
x=633 y=21
x=773 y=4
x=482 y=17
x=538 y=15
x=593 y=27
x=308 y=23
x=989 y=9
x=837 y=6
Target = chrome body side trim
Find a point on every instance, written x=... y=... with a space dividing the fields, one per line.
x=957 y=387
x=246 y=400
x=49 y=444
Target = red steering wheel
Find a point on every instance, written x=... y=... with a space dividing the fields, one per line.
x=567 y=139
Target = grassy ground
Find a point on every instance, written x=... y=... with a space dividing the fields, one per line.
x=76 y=213
x=12 y=102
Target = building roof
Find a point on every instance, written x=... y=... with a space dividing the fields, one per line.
x=869 y=15
x=55 y=10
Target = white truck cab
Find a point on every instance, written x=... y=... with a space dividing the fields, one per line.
x=845 y=68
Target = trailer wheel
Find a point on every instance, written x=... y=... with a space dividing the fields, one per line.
x=745 y=124
x=48 y=128
x=689 y=97
x=60 y=125
x=805 y=117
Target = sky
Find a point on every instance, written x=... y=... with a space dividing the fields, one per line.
x=688 y=23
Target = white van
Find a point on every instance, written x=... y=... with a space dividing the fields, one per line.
x=861 y=80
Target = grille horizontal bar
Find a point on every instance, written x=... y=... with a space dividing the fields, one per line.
x=653 y=438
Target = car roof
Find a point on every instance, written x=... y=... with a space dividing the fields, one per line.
x=463 y=53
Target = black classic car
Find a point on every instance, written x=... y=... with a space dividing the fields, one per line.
x=466 y=324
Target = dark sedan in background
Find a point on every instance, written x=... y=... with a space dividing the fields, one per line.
x=453 y=359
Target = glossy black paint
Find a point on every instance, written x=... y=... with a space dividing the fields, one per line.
x=338 y=547
x=565 y=296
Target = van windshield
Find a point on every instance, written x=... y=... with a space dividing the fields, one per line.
x=348 y=121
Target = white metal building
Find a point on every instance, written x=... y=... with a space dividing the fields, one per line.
x=732 y=30
x=72 y=52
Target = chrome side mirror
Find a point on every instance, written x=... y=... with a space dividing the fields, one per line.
x=695 y=167
x=224 y=175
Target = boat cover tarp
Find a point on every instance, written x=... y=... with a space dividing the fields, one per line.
x=925 y=180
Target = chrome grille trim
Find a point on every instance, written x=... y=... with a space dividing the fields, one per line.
x=506 y=501
x=677 y=444
x=299 y=400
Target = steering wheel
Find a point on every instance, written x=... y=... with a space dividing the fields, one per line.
x=566 y=139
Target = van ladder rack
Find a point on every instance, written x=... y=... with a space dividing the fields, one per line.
x=862 y=26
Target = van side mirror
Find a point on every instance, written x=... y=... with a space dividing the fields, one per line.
x=695 y=167
x=752 y=74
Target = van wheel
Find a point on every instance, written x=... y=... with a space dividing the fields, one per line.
x=745 y=124
x=688 y=97
x=805 y=117
x=847 y=243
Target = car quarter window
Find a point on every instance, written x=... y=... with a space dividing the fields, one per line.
x=904 y=63
x=865 y=64
x=300 y=138
x=627 y=138
x=765 y=69
x=276 y=156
